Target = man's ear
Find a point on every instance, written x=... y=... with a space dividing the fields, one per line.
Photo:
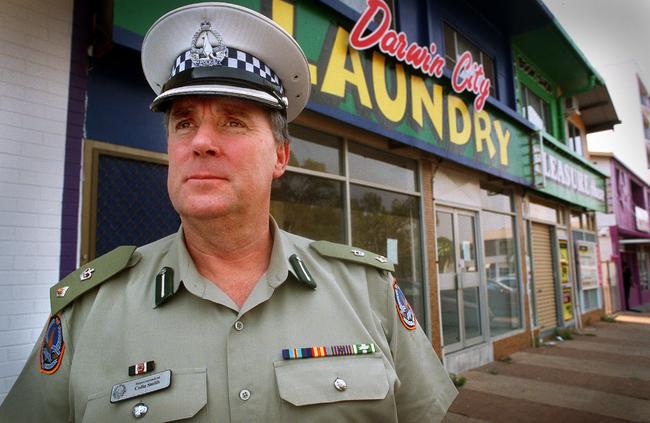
x=282 y=152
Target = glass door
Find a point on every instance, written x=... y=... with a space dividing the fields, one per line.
x=459 y=279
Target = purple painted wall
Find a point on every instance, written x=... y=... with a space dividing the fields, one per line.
x=81 y=39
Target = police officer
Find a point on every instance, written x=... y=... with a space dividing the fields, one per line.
x=229 y=319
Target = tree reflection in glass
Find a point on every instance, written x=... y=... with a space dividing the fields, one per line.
x=381 y=218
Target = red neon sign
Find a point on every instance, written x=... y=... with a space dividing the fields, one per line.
x=467 y=74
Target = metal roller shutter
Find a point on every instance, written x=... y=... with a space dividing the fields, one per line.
x=545 y=301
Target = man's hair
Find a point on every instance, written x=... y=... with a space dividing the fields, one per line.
x=277 y=119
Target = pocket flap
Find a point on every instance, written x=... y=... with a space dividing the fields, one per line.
x=184 y=398
x=311 y=381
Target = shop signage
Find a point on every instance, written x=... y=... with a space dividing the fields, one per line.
x=641 y=216
x=467 y=75
x=569 y=179
x=388 y=85
x=587 y=264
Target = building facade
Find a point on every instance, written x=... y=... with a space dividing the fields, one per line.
x=625 y=238
x=448 y=136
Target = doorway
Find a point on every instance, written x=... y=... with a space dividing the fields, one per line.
x=459 y=278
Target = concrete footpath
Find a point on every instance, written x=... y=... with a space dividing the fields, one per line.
x=602 y=375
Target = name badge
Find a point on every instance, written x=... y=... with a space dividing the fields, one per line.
x=144 y=385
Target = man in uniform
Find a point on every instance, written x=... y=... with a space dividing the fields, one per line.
x=229 y=319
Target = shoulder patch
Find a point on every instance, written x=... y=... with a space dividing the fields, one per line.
x=352 y=254
x=89 y=276
x=52 y=346
x=404 y=309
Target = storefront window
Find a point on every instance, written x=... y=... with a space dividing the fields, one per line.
x=388 y=223
x=445 y=243
x=501 y=272
x=495 y=201
x=575 y=220
x=309 y=206
x=315 y=151
x=376 y=206
x=372 y=165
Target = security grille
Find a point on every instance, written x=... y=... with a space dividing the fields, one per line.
x=133 y=207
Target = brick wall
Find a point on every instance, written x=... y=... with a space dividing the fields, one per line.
x=34 y=67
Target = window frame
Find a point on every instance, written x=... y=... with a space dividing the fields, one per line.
x=512 y=213
x=451 y=61
x=525 y=80
x=421 y=270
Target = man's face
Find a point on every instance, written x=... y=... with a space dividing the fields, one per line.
x=222 y=157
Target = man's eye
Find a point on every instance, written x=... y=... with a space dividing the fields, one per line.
x=184 y=124
x=234 y=123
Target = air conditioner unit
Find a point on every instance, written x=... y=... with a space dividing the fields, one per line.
x=571 y=106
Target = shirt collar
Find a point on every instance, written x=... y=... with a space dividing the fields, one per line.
x=178 y=258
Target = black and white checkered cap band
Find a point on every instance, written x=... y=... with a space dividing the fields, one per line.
x=235 y=59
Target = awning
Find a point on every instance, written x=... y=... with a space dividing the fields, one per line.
x=597 y=110
x=635 y=241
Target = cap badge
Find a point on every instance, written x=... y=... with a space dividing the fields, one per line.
x=208 y=48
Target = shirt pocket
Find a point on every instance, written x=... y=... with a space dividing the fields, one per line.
x=312 y=381
x=185 y=397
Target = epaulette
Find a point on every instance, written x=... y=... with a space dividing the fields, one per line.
x=89 y=276
x=352 y=254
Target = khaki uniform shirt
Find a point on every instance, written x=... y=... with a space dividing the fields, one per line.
x=226 y=362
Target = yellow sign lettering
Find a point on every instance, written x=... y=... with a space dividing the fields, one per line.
x=504 y=139
x=457 y=109
x=483 y=132
x=431 y=102
x=336 y=75
x=392 y=108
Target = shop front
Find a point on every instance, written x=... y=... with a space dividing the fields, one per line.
x=566 y=284
x=625 y=237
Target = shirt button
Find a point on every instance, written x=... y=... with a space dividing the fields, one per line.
x=340 y=384
x=239 y=325
x=244 y=394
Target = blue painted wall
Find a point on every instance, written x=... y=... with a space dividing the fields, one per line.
x=118 y=103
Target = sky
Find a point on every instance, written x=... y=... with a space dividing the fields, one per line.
x=608 y=31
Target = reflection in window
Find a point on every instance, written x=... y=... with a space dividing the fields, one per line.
x=309 y=206
x=501 y=273
x=456 y=44
x=445 y=243
x=376 y=166
x=449 y=314
x=388 y=223
x=574 y=139
x=495 y=201
x=467 y=243
x=472 y=312
x=535 y=109
x=315 y=150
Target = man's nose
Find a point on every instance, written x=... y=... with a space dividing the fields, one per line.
x=206 y=141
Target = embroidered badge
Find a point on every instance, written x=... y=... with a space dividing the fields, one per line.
x=327 y=351
x=208 y=48
x=404 y=309
x=52 y=346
